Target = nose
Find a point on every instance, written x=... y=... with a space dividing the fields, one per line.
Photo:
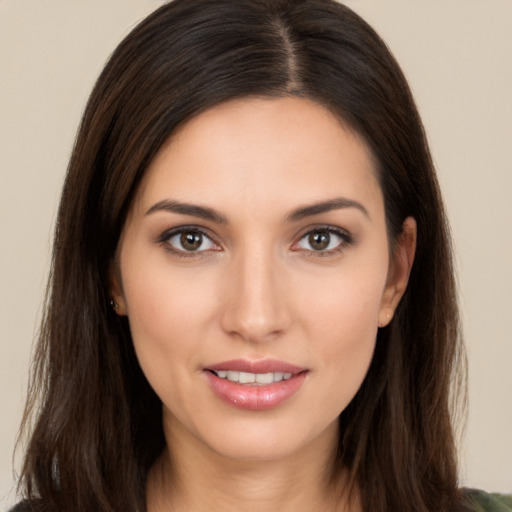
x=255 y=305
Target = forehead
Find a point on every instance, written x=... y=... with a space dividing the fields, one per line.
x=262 y=153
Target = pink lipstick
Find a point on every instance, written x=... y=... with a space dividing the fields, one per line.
x=255 y=385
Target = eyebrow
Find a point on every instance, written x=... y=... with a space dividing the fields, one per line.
x=324 y=207
x=188 y=209
x=300 y=213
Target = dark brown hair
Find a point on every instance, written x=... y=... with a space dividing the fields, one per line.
x=96 y=421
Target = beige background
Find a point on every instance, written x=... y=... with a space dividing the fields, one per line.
x=458 y=57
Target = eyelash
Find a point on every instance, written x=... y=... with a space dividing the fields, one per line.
x=345 y=237
x=164 y=240
x=346 y=240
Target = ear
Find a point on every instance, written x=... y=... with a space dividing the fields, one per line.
x=116 y=288
x=399 y=271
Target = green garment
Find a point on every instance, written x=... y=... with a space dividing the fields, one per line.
x=474 y=501
x=480 y=501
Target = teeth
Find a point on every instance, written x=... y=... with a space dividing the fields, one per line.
x=264 y=378
x=247 y=378
x=233 y=376
x=250 y=378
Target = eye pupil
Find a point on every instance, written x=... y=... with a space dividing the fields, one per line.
x=319 y=241
x=191 y=241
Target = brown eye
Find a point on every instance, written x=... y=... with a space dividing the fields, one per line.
x=319 y=241
x=188 y=241
x=191 y=241
x=324 y=241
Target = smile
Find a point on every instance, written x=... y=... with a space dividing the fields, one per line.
x=252 y=378
x=255 y=385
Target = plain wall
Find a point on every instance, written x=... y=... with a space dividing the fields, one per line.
x=457 y=55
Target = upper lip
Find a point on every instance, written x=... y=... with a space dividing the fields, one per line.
x=263 y=366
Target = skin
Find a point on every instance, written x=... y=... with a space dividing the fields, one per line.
x=257 y=289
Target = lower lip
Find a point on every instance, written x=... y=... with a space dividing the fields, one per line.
x=255 y=397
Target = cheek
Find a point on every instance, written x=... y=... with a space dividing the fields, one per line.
x=161 y=296
x=347 y=302
x=342 y=322
x=347 y=335
x=167 y=315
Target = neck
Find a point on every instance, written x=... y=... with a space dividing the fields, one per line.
x=190 y=477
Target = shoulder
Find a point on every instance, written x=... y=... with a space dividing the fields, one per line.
x=21 y=507
x=480 y=501
x=26 y=506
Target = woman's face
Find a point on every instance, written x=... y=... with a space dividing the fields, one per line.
x=256 y=251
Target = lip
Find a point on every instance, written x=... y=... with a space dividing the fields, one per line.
x=255 y=397
x=263 y=366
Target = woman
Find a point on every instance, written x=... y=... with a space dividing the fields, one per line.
x=252 y=299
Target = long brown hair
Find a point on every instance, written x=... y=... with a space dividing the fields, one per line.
x=96 y=425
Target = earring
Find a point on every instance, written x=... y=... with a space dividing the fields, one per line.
x=386 y=322
x=114 y=305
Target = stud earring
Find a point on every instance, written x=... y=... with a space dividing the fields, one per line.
x=386 y=322
x=114 y=305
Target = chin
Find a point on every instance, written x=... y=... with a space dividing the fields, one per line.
x=263 y=437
